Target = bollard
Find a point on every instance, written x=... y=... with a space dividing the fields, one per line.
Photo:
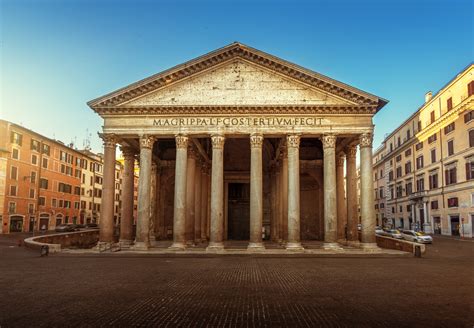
x=44 y=250
x=417 y=251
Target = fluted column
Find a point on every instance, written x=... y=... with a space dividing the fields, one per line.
x=106 y=224
x=279 y=204
x=330 y=200
x=284 y=194
x=217 y=192
x=126 y=222
x=367 y=210
x=190 y=196
x=153 y=198
x=179 y=219
x=197 y=203
x=294 y=238
x=204 y=196
x=256 y=192
x=142 y=239
x=351 y=187
x=341 y=201
x=274 y=202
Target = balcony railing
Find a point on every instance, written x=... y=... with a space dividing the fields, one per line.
x=418 y=194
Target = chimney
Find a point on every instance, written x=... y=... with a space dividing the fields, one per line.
x=428 y=96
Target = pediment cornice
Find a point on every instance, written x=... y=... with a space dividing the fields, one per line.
x=228 y=53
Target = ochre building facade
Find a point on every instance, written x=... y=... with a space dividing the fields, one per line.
x=239 y=145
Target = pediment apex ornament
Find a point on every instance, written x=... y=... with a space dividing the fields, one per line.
x=366 y=140
x=293 y=141
x=256 y=140
x=351 y=151
x=218 y=141
x=110 y=140
x=181 y=141
x=328 y=140
x=146 y=141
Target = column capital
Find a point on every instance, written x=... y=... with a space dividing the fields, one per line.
x=366 y=139
x=340 y=160
x=256 y=140
x=109 y=139
x=283 y=149
x=128 y=152
x=293 y=141
x=181 y=141
x=328 y=140
x=351 y=152
x=218 y=141
x=146 y=141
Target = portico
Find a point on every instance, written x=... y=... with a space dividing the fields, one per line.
x=243 y=145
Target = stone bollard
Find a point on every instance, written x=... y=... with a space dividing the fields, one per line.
x=417 y=251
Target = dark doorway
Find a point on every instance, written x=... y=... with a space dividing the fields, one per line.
x=422 y=219
x=454 y=225
x=239 y=211
x=16 y=223
x=437 y=225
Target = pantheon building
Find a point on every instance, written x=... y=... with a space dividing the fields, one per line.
x=240 y=145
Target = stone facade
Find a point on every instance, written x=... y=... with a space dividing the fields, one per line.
x=424 y=170
x=245 y=146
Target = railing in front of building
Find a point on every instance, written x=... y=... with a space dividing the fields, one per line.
x=418 y=194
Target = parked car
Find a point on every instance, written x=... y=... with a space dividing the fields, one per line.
x=416 y=237
x=91 y=225
x=80 y=226
x=65 y=228
x=378 y=230
x=393 y=233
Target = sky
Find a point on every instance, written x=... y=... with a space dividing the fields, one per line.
x=57 y=55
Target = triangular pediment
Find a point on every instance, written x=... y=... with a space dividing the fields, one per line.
x=236 y=83
x=237 y=75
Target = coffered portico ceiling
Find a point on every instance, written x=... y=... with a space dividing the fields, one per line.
x=237 y=78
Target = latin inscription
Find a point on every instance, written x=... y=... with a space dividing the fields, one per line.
x=238 y=121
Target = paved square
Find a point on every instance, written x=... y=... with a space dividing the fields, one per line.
x=233 y=291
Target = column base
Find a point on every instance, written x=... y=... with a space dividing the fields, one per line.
x=197 y=241
x=342 y=242
x=177 y=246
x=294 y=246
x=370 y=247
x=125 y=243
x=353 y=243
x=255 y=247
x=215 y=247
x=190 y=243
x=332 y=247
x=103 y=246
x=140 y=246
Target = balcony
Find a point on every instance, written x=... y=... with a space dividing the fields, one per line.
x=418 y=195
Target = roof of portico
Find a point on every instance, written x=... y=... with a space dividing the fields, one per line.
x=359 y=98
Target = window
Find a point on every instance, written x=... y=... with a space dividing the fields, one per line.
x=470 y=169
x=391 y=193
x=450 y=174
x=393 y=209
x=98 y=180
x=43 y=183
x=449 y=128
x=35 y=145
x=41 y=201
x=453 y=202
x=433 y=155
x=434 y=205
x=408 y=208
x=400 y=209
x=46 y=149
x=449 y=103
x=76 y=205
x=433 y=180
x=54 y=202
x=399 y=158
x=83 y=204
x=432 y=117
x=12 y=190
x=399 y=141
x=471 y=138
x=407 y=167
x=60 y=203
x=34 y=159
x=399 y=191
x=419 y=126
x=399 y=172
x=77 y=190
x=408 y=152
x=469 y=116
x=450 y=147
x=390 y=176
x=12 y=207
x=420 y=184
x=32 y=193
x=409 y=188
x=419 y=162
x=67 y=204
x=45 y=163
x=381 y=192
x=16 y=138
x=419 y=146
x=470 y=89
x=432 y=138
x=31 y=208
x=33 y=177
x=14 y=173
x=15 y=153
x=63 y=187
x=376 y=206
x=382 y=205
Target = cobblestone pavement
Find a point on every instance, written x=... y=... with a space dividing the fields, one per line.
x=141 y=290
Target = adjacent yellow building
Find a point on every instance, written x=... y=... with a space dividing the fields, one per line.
x=424 y=169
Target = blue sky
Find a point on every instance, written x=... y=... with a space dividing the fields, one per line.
x=57 y=55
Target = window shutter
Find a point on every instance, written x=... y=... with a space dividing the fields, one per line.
x=446 y=176
x=468 y=171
